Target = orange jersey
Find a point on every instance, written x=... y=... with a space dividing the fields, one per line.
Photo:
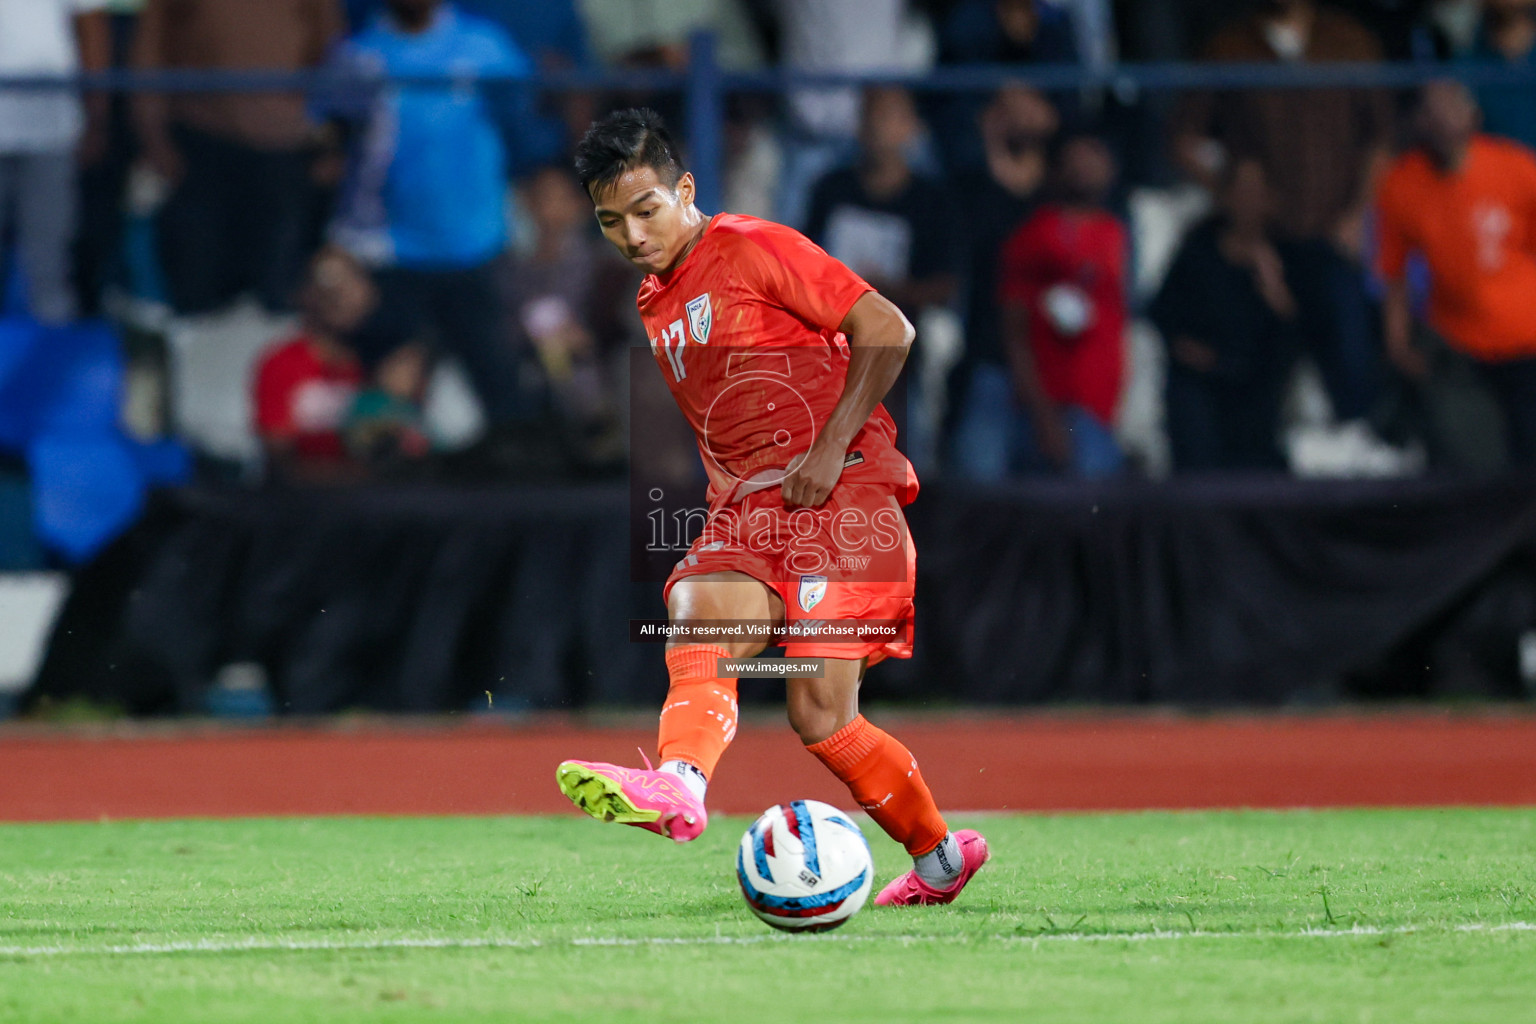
x=847 y=593
x=745 y=331
x=1476 y=228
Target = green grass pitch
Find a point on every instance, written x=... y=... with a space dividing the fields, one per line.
x=1388 y=916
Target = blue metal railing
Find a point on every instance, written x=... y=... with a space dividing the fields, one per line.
x=1149 y=77
x=704 y=85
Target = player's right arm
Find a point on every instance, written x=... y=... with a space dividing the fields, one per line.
x=879 y=338
x=792 y=272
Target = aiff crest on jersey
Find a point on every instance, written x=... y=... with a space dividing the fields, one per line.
x=700 y=318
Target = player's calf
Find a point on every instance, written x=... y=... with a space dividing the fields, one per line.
x=882 y=775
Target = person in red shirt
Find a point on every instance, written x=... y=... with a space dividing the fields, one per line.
x=305 y=386
x=779 y=357
x=1063 y=293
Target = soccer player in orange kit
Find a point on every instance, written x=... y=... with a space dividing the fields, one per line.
x=779 y=357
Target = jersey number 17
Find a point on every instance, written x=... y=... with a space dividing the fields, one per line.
x=671 y=341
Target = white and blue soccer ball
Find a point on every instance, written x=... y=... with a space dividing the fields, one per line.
x=804 y=867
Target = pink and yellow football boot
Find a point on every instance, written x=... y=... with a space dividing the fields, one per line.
x=911 y=891
x=655 y=801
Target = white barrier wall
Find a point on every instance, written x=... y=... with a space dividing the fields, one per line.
x=29 y=602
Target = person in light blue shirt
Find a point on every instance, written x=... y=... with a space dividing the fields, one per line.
x=424 y=200
x=431 y=162
x=554 y=37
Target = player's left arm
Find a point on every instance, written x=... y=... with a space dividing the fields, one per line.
x=879 y=338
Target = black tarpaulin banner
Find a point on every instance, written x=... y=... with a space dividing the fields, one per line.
x=422 y=598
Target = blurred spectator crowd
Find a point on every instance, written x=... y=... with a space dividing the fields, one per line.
x=406 y=280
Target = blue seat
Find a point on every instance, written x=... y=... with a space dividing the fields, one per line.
x=60 y=398
x=87 y=489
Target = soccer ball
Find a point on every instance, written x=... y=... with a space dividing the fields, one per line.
x=804 y=867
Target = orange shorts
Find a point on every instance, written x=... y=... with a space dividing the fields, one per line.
x=845 y=570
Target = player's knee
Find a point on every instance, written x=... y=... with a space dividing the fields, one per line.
x=731 y=610
x=684 y=600
x=815 y=720
x=713 y=597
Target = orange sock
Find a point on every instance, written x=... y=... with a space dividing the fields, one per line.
x=882 y=775
x=699 y=719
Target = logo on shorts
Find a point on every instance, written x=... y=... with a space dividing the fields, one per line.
x=812 y=590
x=700 y=318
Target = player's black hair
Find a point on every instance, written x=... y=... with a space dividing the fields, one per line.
x=623 y=141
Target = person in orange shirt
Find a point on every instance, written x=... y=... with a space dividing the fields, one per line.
x=1466 y=202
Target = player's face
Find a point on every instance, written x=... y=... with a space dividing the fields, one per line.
x=650 y=223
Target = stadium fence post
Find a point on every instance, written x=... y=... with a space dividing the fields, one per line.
x=706 y=120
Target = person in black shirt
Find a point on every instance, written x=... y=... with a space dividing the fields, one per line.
x=1016 y=129
x=1228 y=318
x=895 y=228
x=892 y=226
x=986 y=32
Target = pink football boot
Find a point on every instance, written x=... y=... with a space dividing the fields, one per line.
x=655 y=801
x=911 y=891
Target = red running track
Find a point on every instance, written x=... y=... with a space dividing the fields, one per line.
x=993 y=762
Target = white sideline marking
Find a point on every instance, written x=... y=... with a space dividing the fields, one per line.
x=258 y=944
x=1305 y=933
x=262 y=944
